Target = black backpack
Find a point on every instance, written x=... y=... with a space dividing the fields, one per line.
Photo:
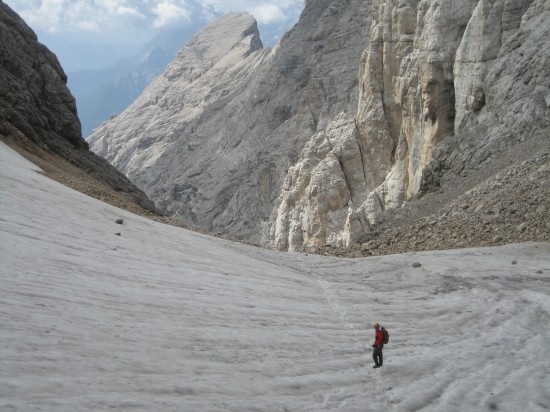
x=386 y=336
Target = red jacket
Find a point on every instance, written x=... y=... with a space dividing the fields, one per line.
x=379 y=338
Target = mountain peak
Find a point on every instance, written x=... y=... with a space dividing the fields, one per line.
x=224 y=34
x=221 y=44
x=208 y=71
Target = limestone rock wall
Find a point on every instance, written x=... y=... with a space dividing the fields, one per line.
x=445 y=86
x=408 y=97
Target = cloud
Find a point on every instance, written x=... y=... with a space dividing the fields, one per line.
x=102 y=18
x=45 y=13
x=129 y=11
x=129 y=20
x=268 y=14
x=168 y=13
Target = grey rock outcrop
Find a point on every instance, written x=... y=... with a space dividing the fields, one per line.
x=212 y=138
x=319 y=191
x=446 y=88
x=37 y=111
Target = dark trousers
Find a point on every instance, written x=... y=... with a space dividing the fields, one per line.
x=377 y=355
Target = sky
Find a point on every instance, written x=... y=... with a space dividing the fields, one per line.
x=126 y=25
x=143 y=316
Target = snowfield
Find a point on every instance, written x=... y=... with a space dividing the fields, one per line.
x=163 y=319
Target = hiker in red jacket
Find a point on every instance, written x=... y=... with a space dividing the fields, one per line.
x=378 y=345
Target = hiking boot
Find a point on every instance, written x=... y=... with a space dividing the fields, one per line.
x=376 y=366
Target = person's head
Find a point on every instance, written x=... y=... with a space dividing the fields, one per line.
x=377 y=326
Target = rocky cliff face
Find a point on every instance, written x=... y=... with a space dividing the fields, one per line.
x=37 y=111
x=213 y=137
x=446 y=87
x=362 y=107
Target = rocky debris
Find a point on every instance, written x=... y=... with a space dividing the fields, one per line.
x=119 y=221
x=514 y=196
x=38 y=116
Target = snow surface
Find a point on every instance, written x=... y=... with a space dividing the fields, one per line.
x=163 y=319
